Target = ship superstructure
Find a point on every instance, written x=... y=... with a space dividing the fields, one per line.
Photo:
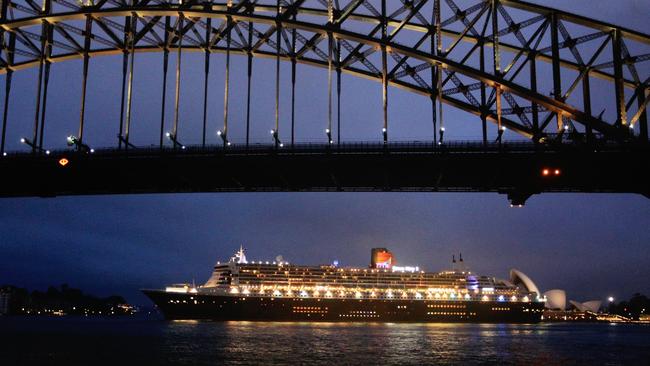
x=456 y=294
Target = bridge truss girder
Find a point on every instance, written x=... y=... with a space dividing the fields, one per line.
x=478 y=57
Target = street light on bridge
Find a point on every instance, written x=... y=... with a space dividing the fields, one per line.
x=500 y=134
x=174 y=140
x=32 y=145
x=223 y=137
x=276 y=139
x=74 y=141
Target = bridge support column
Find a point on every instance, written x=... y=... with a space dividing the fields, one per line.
x=619 y=85
x=10 y=60
x=338 y=92
x=39 y=84
x=533 y=86
x=125 y=64
x=484 y=108
x=129 y=96
x=249 y=76
x=330 y=55
x=84 y=82
x=384 y=70
x=278 y=31
x=226 y=87
x=438 y=21
x=586 y=102
x=179 y=58
x=293 y=84
x=46 y=8
x=206 y=73
x=495 y=42
x=163 y=102
x=46 y=82
x=557 y=76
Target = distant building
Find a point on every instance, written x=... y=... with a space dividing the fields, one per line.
x=5 y=297
x=557 y=308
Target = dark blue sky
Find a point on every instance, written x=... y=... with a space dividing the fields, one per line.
x=591 y=245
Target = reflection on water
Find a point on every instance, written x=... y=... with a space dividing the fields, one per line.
x=91 y=341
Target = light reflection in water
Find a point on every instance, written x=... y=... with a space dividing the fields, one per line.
x=391 y=343
x=37 y=341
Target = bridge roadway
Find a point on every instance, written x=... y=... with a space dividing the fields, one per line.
x=516 y=169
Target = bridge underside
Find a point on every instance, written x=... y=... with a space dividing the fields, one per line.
x=514 y=171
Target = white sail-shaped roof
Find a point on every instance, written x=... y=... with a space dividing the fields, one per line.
x=593 y=305
x=555 y=299
x=519 y=278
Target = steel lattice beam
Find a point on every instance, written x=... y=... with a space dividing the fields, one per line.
x=396 y=27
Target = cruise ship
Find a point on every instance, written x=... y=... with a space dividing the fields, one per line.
x=383 y=292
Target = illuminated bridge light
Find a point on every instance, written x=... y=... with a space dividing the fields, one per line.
x=550 y=172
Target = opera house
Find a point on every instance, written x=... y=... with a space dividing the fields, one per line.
x=557 y=308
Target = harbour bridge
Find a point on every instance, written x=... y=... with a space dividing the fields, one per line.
x=557 y=101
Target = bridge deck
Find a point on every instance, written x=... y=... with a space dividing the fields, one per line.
x=517 y=169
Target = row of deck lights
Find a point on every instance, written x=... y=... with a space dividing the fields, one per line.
x=389 y=294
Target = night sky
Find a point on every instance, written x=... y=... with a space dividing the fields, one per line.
x=593 y=246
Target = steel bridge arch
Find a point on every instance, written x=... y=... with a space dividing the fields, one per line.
x=16 y=41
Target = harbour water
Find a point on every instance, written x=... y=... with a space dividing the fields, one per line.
x=149 y=341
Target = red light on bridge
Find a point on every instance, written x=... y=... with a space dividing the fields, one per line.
x=550 y=172
x=63 y=161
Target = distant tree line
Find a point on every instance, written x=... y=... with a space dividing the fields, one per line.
x=633 y=308
x=63 y=300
